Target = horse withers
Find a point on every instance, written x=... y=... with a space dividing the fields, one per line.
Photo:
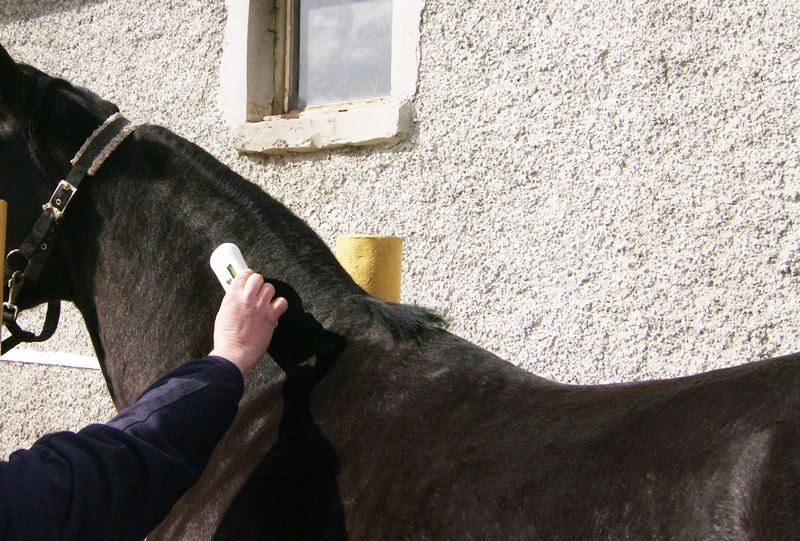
x=411 y=432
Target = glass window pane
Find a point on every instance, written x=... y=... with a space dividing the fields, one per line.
x=345 y=51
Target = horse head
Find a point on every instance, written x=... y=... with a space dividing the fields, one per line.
x=43 y=121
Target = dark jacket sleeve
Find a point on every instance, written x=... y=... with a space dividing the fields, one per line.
x=120 y=479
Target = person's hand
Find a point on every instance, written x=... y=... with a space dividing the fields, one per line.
x=246 y=320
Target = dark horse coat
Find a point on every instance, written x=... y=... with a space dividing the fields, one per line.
x=412 y=433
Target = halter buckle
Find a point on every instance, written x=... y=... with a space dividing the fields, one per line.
x=60 y=199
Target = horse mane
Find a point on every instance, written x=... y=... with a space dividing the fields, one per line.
x=402 y=321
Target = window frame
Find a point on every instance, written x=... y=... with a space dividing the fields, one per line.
x=256 y=79
x=286 y=45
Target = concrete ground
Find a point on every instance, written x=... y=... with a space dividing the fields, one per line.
x=38 y=399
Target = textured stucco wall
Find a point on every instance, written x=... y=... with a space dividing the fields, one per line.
x=596 y=191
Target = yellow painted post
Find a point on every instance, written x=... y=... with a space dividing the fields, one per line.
x=3 y=219
x=374 y=262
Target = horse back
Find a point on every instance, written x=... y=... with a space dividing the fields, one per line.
x=447 y=440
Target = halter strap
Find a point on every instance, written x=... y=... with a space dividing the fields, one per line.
x=26 y=263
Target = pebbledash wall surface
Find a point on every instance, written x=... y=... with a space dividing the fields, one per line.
x=596 y=191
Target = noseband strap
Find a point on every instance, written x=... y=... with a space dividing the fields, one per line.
x=26 y=263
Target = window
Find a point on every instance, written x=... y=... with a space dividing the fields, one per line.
x=303 y=75
x=344 y=51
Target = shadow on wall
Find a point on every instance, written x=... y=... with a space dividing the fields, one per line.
x=31 y=9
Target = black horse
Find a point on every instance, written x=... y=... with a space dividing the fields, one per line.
x=411 y=433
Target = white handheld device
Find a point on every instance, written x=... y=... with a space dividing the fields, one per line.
x=227 y=263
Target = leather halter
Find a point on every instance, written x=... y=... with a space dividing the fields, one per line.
x=26 y=263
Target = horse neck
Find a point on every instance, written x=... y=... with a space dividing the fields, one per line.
x=145 y=231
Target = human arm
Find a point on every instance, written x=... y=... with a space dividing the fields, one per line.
x=120 y=479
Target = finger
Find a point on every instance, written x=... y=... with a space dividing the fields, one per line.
x=253 y=284
x=241 y=279
x=278 y=307
x=266 y=293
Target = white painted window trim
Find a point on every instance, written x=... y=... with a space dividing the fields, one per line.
x=246 y=88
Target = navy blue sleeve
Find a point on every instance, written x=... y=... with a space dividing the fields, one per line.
x=120 y=479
